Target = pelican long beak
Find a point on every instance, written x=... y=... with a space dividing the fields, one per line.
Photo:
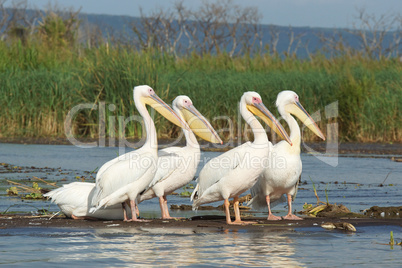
x=165 y=110
x=200 y=125
x=297 y=110
x=262 y=112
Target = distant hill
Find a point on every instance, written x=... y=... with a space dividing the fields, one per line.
x=300 y=41
x=306 y=39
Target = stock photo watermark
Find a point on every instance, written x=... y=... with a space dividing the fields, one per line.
x=237 y=135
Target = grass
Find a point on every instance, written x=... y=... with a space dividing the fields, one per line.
x=39 y=86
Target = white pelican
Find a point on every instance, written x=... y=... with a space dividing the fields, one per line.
x=235 y=171
x=278 y=180
x=178 y=165
x=123 y=178
x=74 y=200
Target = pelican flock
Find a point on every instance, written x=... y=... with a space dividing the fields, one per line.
x=125 y=181
x=275 y=181
x=121 y=179
x=235 y=171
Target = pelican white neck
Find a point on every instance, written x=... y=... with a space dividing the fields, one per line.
x=139 y=93
x=260 y=136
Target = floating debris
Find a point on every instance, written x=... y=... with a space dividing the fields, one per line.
x=325 y=209
x=12 y=191
x=34 y=192
x=339 y=225
x=185 y=194
x=113 y=225
x=329 y=210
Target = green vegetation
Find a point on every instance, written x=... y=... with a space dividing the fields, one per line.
x=34 y=192
x=392 y=242
x=43 y=77
x=187 y=190
x=39 y=90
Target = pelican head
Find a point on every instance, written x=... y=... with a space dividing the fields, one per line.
x=255 y=105
x=146 y=95
x=288 y=102
x=197 y=122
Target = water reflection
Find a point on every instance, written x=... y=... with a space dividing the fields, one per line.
x=113 y=247
x=158 y=246
x=277 y=249
x=153 y=246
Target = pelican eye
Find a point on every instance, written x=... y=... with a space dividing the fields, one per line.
x=256 y=100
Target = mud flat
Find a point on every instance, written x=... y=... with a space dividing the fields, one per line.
x=197 y=224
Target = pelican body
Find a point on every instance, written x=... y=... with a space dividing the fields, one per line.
x=74 y=200
x=178 y=165
x=237 y=170
x=120 y=180
x=278 y=180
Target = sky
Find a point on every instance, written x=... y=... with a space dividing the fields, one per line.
x=313 y=13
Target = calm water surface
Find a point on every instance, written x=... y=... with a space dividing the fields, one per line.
x=304 y=247
x=354 y=182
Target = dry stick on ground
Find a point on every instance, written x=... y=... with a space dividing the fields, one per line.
x=42 y=180
x=382 y=184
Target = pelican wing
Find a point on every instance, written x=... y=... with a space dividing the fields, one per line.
x=74 y=194
x=121 y=194
x=109 y=163
x=168 y=162
x=221 y=166
x=122 y=173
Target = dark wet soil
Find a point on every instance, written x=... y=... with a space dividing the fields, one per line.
x=199 y=223
x=362 y=148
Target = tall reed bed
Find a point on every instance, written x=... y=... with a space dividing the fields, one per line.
x=39 y=86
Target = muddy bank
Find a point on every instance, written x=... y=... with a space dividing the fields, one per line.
x=362 y=148
x=343 y=148
x=385 y=212
x=213 y=223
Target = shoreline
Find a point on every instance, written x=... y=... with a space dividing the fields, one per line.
x=354 y=148
x=206 y=223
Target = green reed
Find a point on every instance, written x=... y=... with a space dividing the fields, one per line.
x=39 y=86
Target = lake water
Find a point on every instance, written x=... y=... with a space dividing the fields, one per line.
x=358 y=183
